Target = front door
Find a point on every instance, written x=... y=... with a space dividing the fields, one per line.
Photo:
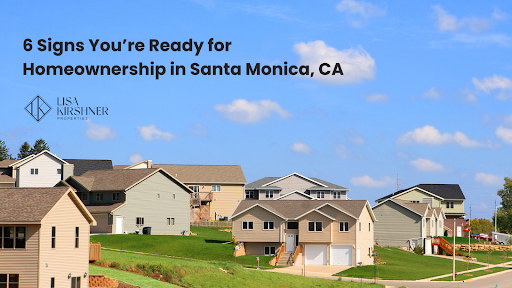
x=119 y=224
x=290 y=242
x=459 y=231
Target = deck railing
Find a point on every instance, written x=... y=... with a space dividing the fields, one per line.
x=439 y=241
x=199 y=197
x=217 y=224
x=298 y=250
x=280 y=252
x=94 y=252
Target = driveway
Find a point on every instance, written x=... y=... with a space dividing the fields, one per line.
x=318 y=271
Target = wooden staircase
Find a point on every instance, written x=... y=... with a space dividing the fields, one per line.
x=443 y=244
x=285 y=259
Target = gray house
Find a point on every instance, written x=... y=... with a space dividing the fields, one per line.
x=127 y=201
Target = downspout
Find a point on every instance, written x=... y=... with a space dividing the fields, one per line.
x=355 y=249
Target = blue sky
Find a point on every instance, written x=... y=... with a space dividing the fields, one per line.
x=426 y=91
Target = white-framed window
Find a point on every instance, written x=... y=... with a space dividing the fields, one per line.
x=269 y=250
x=359 y=226
x=292 y=225
x=158 y=196
x=10 y=280
x=34 y=171
x=99 y=196
x=414 y=201
x=320 y=194
x=116 y=196
x=215 y=188
x=139 y=221
x=77 y=237
x=75 y=282
x=194 y=188
x=170 y=221
x=269 y=194
x=343 y=226
x=173 y=196
x=369 y=227
x=247 y=225
x=59 y=171
x=249 y=194
x=54 y=235
x=13 y=237
x=336 y=195
x=268 y=225
x=52 y=282
x=315 y=226
x=369 y=251
x=449 y=204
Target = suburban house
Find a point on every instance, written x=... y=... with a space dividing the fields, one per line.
x=37 y=170
x=319 y=232
x=294 y=187
x=218 y=189
x=127 y=201
x=83 y=165
x=6 y=181
x=403 y=220
x=44 y=238
x=446 y=196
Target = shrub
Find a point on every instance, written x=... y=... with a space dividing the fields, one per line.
x=419 y=250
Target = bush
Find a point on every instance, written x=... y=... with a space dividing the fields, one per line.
x=445 y=233
x=419 y=250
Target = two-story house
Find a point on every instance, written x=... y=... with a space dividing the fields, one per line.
x=294 y=187
x=127 y=201
x=447 y=196
x=44 y=238
x=329 y=232
x=218 y=189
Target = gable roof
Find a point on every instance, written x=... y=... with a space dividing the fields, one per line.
x=418 y=208
x=83 y=165
x=20 y=205
x=7 y=162
x=296 y=191
x=205 y=173
x=6 y=179
x=104 y=208
x=439 y=212
x=30 y=157
x=291 y=209
x=267 y=181
x=445 y=191
x=295 y=174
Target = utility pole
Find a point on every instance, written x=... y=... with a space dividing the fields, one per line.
x=469 y=233
x=495 y=216
x=397 y=183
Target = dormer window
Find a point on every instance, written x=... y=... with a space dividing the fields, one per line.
x=336 y=195
x=249 y=194
x=269 y=194
x=320 y=194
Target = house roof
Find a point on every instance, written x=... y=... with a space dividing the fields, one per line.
x=440 y=211
x=33 y=204
x=112 y=180
x=291 y=209
x=6 y=179
x=260 y=184
x=445 y=191
x=420 y=208
x=103 y=208
x=7 y=162
x=83 y=165
x=33 y=156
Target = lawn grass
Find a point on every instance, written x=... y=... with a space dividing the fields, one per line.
x=130 y=278
x=464 y=240
x=206 y=245
x=198 y=273
x=496 y=257
x=403 y=265
x=473 y=274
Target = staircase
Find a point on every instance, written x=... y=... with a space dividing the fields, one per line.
x=443 y=244
x=285 y=259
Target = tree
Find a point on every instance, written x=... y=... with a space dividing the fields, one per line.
x=506 y=194
x=24 y=151
x=4 y=151
x=505 y=212
x=39 y=146
x=481 y=226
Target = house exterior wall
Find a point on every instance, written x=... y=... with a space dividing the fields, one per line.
x=102 y=224
x=365 y=238
x=64 y=259
x=458 y=206
x=295 y=196
x=23 y=261
x=417 y=195
x=142 y=201
x=315 y=237
x=293 y=183
x=6 y=185
x=257 y=248
x=257 y=215
x=226 y=201
x=108 y=197
x=395 y=225
x=47 y=167
x=440 y=226
x=6 y=171
x=262 y=194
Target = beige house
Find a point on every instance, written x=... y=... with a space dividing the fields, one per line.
x=44 y=238
x=329 y=232
x=218 y=189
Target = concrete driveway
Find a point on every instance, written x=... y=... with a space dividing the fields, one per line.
x=320 y=271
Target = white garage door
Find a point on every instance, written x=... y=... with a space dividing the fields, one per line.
x=341 y=255
x=316 y=254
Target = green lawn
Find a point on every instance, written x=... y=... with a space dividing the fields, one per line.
x=402 y=265
x=463 y=240
x=496 y=257
x=130 y=278
x=198 y=273
x=474 y=274
x=206 y=245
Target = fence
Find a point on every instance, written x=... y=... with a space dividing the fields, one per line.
x=217 y=224
x=94 y=252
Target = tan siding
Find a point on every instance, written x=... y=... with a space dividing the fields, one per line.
x=65 y=258
x=258 y=248
x=458 y=206
x=295 y=196
x=417 y=195
x=102 y=224
x=6 y=185
x=23 y=261
x=262 y=194
x=226 y=201
x=47 y=176
x=365 y=237
x=341 y=238
x=293 y=183
x=257 y=215
x=314 y=237
x=396 y=224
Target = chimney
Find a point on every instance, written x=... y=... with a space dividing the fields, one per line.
x=150 y=164
x=67 y=171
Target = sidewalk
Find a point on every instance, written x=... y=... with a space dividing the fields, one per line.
x=470 y=270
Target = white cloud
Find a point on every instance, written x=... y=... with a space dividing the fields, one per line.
x=301 y=148
x=426 y=165
x=342 y=151
x=199 y=129
x=99 y=132
x=356 y=138
x=136 y=158
x=377 y=98
x=243 y=111
x=429 y=135
x=150 y=133
x=495 y=82
x=489 y=179
x=432 y=93
x=469 y=96
x=357 y=64
x=505 y=134
x=367 y=181
x=450 y=23
x=363 y=9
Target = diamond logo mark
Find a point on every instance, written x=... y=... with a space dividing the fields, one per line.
x=38 y=108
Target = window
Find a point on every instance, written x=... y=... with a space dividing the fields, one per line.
x=194 y=188
x=344 y=226
x=268 y=225
x=247 y=225
x=77 y=238
x=116 y=196
x=315 y=226
x=99 y=196
x=9 y=237
x=369 y=251
x=292 y=225
x=158 y=196
x=75 y=282
x=449 y=204
x=52 y=282
x=139 y=221
x=170 y=221
x=20 y=237
x=34 y=171
x=85 y=196
x=173 y=196
x=269 y=251
x=10 y=280
x=359 y=226
x=369 y=227
x=269 y=194
x=54 y=234
x=320 y=194
x=415 y=201
x=215 y=188
x=336 y=195
x=249 y=194
x=59 y=171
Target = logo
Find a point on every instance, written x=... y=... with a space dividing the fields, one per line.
x=38 y=108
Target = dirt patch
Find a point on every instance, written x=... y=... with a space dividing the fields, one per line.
x=126 y=285
x=226 y=230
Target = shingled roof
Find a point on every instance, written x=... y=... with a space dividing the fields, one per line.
x=259 y=184
x=8 y=162
x=104 y=208
x=6 y=179
x=445 y=191
x=108 y=180
x=83 y=165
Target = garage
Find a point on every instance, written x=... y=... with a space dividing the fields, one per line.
x=341 y=255
x=316 y=254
